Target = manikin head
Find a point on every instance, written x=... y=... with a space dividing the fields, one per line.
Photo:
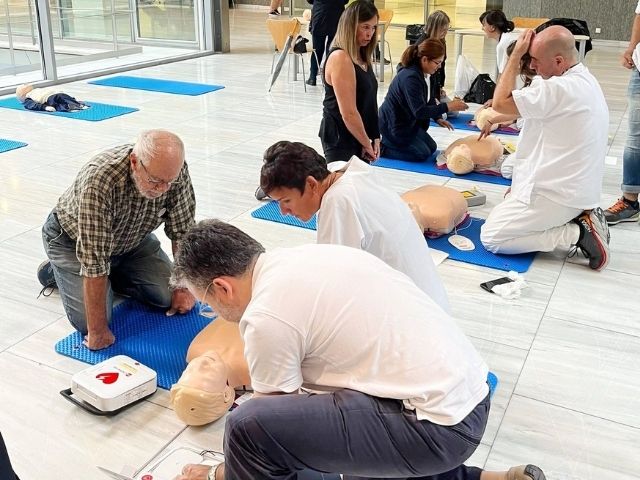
x=202 y=394
x=156 y=162
x=22 y=91
x=293 y=175
x=215 y=262
x=484 y=115
x=459 y=160
x=553 y=52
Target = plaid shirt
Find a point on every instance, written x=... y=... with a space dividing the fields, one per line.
x=104 y=212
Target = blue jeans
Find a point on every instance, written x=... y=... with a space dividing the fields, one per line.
x=631 y=156
x=348 y=432
x=419 y=149
x=142 y=273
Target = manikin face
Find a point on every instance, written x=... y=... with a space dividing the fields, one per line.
x=207 y=372
x=156 y=178
x=366 y=31
x=303 y=205
x=431 y=65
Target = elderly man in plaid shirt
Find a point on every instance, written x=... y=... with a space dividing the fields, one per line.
x=99 y=236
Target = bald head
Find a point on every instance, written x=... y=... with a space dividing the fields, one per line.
x=553 y=51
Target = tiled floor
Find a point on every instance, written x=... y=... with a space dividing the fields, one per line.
x=567 y=352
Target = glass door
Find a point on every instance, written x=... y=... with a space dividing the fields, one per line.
x=168 y=20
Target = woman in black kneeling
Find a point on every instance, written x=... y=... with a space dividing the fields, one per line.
x=410 y=104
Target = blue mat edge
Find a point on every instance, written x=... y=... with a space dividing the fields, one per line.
x=205 y=87
x=282 y=219
x=462 y=125
x=12 y=145
x=121 y=110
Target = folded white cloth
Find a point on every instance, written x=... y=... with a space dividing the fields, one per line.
x=513 y=289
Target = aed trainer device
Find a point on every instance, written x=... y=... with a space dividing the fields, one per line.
x=474 y=197
x=112 y=385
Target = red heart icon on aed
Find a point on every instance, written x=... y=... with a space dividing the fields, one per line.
x=108 y=377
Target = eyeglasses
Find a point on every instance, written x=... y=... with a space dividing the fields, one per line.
x=437 y=62
x=155 y=182
x=205 y=309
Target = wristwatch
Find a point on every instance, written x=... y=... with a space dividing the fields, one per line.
x=212 y=472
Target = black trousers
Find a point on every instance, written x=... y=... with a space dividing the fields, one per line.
x=6 y=470
x=347 y=432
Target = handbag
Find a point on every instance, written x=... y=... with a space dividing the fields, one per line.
x=300 y=45
x=481 y=89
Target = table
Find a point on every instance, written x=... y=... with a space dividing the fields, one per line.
x=460 y=34
x=381 y=45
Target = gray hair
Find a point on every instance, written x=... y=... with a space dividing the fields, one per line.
x=212 y=249
x=150 y=143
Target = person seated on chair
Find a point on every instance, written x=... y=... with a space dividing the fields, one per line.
x=353 y=209
x=409 y=105
x=399 y=374
x=50 y=99
x=99 y=236
x=558 y=168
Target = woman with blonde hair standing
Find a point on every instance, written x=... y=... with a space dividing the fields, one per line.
x=350 y=115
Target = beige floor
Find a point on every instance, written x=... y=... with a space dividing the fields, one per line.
x=567 y=352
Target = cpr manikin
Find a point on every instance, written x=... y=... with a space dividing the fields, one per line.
x=487 y=117
x=205 y=391
x=50 y=99
x=437 y=209
x=470 y=154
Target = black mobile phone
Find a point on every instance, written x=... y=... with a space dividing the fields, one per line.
x=498 y=281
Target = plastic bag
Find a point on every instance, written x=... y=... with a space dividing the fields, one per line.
x=466 y=73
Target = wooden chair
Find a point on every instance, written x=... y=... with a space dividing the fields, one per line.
x=385 y=16
x=527 y=22
x=280 y=29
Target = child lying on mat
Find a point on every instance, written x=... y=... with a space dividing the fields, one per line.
x=470 y=154
x=50 y=99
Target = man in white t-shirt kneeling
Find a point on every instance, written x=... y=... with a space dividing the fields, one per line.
x=406 y=392
x=559 y=163
x=353 y=209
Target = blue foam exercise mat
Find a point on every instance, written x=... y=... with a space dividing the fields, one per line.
x=429 y=167
x=461 y=122
x=96 y=112
x=147 y=335
x=271 y=212
x=6 y=145
x=480 y=256
x=492 y=380
x=157 y=85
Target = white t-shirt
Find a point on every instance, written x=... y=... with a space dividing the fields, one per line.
x=563 y=141
x=330 y=317
x=501 y=49
x=358 y=211
x=636 y=52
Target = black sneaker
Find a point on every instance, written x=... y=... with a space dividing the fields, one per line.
x=622 y=211
x=46 y=278
x=274 y=13
x=594 y=238
x=525 y=472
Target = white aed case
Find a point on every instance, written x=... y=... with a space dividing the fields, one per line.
x=111 y=385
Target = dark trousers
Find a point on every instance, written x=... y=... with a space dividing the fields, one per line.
x=337 y=154
x=347 y=432
x=6 y=470
x=418 y=149
x=318 y=38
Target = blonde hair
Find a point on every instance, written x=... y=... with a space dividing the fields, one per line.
x=346 y=35
x=436 y=22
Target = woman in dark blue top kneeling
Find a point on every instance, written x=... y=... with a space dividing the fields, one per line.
x=410 y=104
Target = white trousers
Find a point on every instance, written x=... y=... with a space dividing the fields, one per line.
x=515 y=227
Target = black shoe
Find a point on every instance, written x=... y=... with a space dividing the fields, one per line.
x=594 y=238
x=46 y=278
x=525 y=472
x=274 y=13
x=312 y=82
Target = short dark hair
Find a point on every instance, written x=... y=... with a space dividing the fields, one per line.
x=212 y=249
x=288 y=164
x=497 y=18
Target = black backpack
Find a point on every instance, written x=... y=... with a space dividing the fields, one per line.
x=577 y=27
x=481 y=89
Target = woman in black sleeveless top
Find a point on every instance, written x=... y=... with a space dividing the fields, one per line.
x=350 y=115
